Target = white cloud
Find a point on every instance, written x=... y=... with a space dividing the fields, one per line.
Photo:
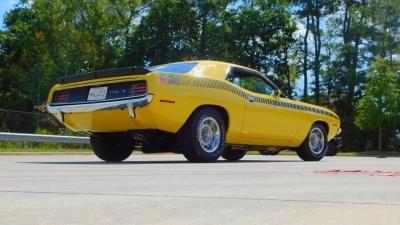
x=12 y=3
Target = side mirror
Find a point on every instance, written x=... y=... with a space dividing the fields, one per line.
x=277 y=93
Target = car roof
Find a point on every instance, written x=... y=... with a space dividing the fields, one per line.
x=218 y=70
x=212 y=69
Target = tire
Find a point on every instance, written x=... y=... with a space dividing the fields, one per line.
x=203 y=137
x=332 y=149
x=315 y=145
x=268 y=152
x=233 y=155
x=111 y=147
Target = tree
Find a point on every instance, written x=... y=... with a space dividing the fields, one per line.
x=357 y=33
x=313 y=11
x=379 y=108
x=126 y=13
x=383 y=36
x=208 y=14
x=260 y=35
x=168 y=33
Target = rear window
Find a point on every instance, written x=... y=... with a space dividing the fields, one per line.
x=174 y=68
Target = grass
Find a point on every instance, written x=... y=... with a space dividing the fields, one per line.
x=29 y=150
x=378 y=153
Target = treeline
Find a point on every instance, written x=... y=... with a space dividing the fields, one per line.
x=334 y=44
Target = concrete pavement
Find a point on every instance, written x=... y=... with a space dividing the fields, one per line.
x=165 y=189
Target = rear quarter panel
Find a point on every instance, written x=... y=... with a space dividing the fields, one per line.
x=177 y=97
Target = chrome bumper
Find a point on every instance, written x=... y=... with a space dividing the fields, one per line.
x=131 y=104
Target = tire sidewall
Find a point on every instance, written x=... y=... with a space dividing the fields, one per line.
x=332 y=149
x=111 y=148
x=305 y=152
x=233 y=155
x=197 y=150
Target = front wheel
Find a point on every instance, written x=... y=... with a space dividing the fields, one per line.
x=203 y=136
x=332 y=149
x=315 y=145
x=111 y=147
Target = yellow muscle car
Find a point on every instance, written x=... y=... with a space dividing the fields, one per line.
x=202 y=109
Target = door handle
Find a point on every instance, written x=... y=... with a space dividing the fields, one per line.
x=250 y=98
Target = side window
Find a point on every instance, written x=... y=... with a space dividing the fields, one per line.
x=251 y=82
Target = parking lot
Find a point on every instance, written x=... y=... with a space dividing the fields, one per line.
x=165 y=189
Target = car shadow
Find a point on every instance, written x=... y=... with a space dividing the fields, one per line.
x=153 y=162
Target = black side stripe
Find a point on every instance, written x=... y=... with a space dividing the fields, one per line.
x=222 y=85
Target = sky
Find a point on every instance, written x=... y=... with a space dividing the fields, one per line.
x=6 y=5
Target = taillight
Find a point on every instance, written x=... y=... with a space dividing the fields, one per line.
x=138 y=89
x=61 y=97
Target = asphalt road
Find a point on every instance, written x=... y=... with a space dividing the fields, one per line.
x=165 y=189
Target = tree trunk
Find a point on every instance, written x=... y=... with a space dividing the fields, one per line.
x=315 y=21
x=330 y=78
x=287 y=73
x=203 y=30
x=318 y=61
x=305 y=60
x=380 y=140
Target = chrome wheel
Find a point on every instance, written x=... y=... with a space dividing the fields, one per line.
x=203 y=136
x=209 y=134
x=316 y=141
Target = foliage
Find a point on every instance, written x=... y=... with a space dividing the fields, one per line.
x=168 y=33
x=379 y=107
x=260 y=36
x=334 y=42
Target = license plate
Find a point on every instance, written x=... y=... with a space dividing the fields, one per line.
x=97 y=93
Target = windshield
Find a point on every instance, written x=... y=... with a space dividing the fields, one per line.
x=175 y=67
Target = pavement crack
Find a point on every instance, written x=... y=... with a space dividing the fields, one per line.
x=203 y=197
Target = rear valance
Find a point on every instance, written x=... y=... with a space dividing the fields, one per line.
x=105 y=73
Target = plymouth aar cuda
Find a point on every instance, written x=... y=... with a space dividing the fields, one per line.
x=202 y=109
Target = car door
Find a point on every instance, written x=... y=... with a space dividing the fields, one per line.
x=265 y=116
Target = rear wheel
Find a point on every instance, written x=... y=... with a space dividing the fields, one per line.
x=203 y=137
x=315 y=145
x=233 y=155
x=111 y=147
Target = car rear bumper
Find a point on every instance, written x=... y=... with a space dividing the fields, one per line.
x=59 y=110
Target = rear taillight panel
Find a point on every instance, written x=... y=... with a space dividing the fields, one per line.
x=61 y=97
x=115 y=91
x=138 y=89
x=126 y=89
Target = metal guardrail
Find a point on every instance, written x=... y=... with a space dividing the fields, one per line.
x=43 y=138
